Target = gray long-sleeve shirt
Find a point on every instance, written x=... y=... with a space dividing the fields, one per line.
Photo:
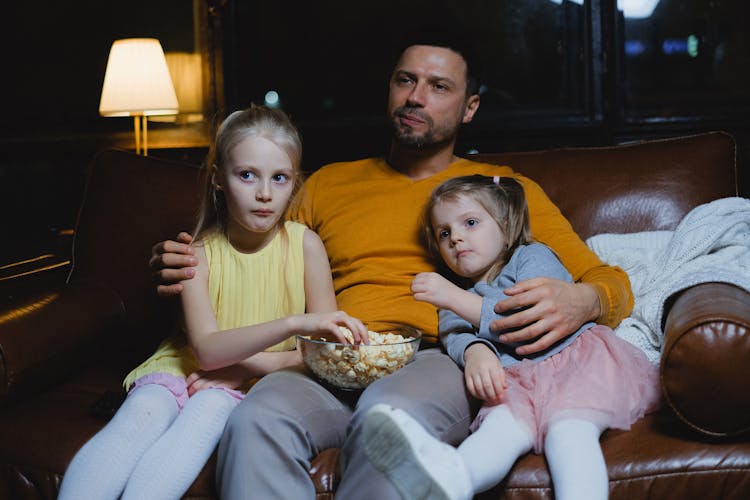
x=528 y=261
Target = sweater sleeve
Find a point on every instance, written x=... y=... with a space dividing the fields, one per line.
x=528 y=261
x=457 y=334
x=550 y=227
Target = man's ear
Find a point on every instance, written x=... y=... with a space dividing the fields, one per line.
x=472 y=105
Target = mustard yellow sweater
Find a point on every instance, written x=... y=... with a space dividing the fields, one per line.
x=368 y=216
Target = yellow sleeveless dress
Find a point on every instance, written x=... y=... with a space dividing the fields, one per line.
x=245 y=289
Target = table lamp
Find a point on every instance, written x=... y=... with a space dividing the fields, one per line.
x=137 y=83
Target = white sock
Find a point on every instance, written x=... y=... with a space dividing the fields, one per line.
x=491 y=451
x=102 y=466
x=171 y=465
x=575 y=460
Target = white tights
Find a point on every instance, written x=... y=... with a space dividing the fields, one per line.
x=575 y=460
x=571 y=447
x=150 y=449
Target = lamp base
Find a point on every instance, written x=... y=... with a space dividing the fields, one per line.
x=140 y=125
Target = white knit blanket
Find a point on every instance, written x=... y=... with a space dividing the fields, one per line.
x=711 y=244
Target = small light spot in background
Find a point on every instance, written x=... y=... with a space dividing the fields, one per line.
x=272 y=99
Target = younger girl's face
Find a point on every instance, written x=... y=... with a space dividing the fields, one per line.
x=257 y=180
x=469 y=239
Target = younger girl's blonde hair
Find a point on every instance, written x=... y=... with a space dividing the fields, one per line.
x=502 y=197
x=255 y=121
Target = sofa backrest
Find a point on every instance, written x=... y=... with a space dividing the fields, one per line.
x=130 y=203
x=642 y=186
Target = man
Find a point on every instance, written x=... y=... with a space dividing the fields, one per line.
x=367 y=214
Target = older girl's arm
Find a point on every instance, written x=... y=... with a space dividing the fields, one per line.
x=216 y=349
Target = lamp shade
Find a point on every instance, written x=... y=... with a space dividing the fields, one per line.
x=137 y=80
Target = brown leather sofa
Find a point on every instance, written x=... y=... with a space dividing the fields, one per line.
x=65 y=348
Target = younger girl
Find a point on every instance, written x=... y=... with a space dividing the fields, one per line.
x=558 y=401
x=253 y=269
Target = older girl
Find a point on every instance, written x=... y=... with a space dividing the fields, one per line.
x=256 y=277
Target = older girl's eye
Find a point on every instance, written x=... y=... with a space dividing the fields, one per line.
x=280 y=178
x=443 y=234
x=247 y=175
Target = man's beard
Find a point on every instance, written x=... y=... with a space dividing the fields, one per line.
x=407 y=138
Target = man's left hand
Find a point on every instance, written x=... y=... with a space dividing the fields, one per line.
x=553 y=310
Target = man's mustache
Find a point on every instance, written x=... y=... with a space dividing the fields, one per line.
x=409 y=111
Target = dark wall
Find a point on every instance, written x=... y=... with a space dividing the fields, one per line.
x=57 y=53
x=555 y=74
x=332 y=59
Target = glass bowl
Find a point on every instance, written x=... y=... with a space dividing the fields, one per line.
x=354 y=367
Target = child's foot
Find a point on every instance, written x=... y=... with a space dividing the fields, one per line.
x=419 y=465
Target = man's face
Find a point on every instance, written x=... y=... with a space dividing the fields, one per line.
x=427 y=100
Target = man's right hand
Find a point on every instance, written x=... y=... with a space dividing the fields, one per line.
x=171 y=262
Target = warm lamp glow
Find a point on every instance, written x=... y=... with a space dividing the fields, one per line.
x=137 y=83
x=186 y=71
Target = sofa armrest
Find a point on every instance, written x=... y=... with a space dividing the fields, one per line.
x=705 y=364
x=20 y=280
x=50 y=334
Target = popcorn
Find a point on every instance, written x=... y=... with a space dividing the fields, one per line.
x=357 y=366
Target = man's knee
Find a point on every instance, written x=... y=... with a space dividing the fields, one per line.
x=247 y=415
x=434 y=397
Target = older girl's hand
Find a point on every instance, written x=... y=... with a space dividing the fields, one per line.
x=230 y=377
x=326 y=325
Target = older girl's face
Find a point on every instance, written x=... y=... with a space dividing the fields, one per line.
x=469 y=239
x=257 y=180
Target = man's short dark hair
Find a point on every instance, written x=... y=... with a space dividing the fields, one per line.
x=450 y=38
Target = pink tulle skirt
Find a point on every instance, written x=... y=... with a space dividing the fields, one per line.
x=599 y=377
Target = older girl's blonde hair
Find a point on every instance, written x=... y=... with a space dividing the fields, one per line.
x=502 y=197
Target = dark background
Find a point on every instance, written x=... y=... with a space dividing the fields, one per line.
x=555 y=74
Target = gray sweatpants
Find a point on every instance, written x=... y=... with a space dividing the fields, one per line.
x=288 y=418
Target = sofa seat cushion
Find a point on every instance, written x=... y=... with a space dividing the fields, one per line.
x=657 y=458
x=39 y=436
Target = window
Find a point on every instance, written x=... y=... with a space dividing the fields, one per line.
x=684 y=59
x=556 y=72
x=333 y=59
